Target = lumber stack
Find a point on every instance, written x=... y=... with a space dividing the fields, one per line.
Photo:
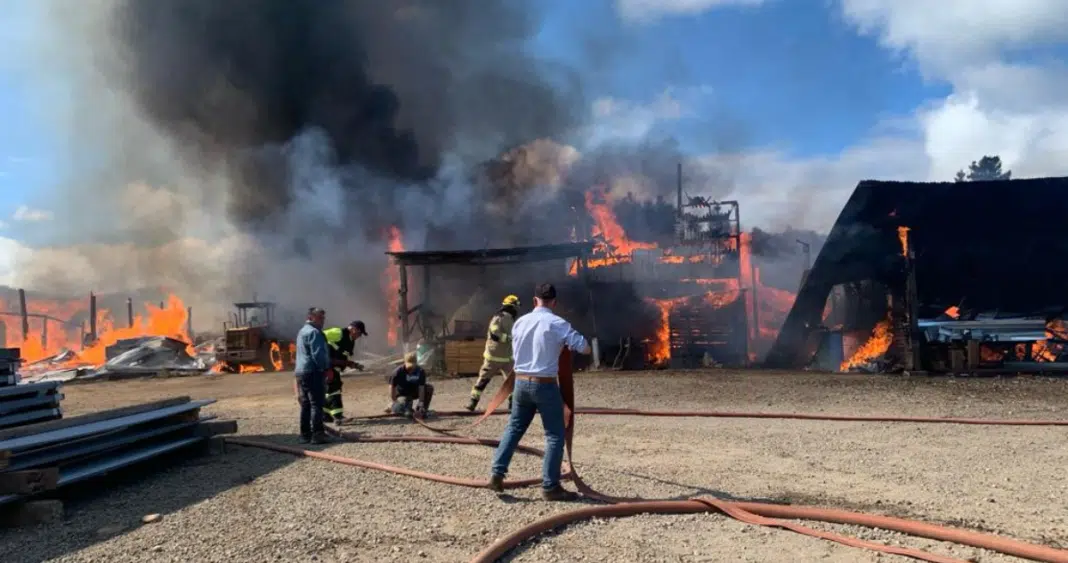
x=37 y=458
x=463 y=357
x=25 y=403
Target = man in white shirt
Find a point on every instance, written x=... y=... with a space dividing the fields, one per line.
x=537 y=340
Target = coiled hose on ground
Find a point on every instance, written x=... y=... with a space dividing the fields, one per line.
x=765 y=514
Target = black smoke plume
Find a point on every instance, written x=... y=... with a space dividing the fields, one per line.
x=389 y=87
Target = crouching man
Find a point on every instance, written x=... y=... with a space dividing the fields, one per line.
x=409 y=384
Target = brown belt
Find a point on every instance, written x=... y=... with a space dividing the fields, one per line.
x=536 y=378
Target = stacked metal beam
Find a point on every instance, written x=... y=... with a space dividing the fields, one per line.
x=40 y=457
x=25 y=404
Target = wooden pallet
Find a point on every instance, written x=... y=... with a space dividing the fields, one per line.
x=698 y=329
x=464 y=357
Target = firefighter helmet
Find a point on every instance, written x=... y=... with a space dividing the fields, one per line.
x=511 y=301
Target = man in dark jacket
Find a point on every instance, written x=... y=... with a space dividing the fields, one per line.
x=342 y=344
x=408 y=384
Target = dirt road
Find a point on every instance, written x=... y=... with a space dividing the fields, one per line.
x=252 y=505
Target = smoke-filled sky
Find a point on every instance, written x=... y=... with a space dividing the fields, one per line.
x=139 y=131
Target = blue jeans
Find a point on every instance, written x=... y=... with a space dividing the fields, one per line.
x=528 y=398
x=312 y=393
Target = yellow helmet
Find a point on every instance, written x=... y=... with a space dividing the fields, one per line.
x=511 y=300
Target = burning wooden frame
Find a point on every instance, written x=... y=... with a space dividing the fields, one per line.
x=426 y=261
x=961 y=278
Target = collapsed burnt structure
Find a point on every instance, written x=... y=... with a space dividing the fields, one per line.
x=942 y=277
x=455 y=314
x=700 y=284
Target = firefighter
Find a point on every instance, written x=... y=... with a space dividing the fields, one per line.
x=498 y=353
x=341 y=344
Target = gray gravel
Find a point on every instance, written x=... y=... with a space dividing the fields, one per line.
x=254 y=505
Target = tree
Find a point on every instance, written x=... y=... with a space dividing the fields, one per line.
x=988 y=168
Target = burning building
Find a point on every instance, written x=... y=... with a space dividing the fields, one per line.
x=693 y=298
x=941 y=277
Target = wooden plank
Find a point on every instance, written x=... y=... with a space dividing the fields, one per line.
x=216 y=428
x=29 y=482
x=31 y=429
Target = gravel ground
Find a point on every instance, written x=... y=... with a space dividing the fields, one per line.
x=254 y=505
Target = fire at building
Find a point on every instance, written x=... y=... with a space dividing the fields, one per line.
x=693 y=298
x=941 y=278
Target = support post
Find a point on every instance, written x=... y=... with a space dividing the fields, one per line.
x=755 y=329
x=24 y=314
x=425 y=308
x=913 y=358
x=92 y=317
x=595 y=344
x=402 y=306
x=189 y=323
x=129 y=312
x=44 y=333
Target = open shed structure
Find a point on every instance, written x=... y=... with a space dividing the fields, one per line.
x=998 y=246
x=419 y=316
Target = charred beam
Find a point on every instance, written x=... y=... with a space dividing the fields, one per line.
x=92 y=317
x=23 y=312
x=402 y=309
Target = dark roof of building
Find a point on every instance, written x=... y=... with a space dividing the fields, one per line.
x=491 y=256
x=996 y=246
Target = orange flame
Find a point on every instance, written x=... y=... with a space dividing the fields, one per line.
x=903 y=237
x=392 y=288
x=613 y=244
x=875 y=347
x=170 y=320
x=952 y=312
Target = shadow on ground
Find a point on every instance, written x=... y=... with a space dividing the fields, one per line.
x=100 y=509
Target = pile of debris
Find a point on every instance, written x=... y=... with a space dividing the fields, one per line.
x=24 y=403
x=39 y=458
x=131 y=357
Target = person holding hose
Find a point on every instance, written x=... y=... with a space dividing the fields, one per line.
x=537 y=340
x=498 y=353
x=312 y=361
x=342 y=343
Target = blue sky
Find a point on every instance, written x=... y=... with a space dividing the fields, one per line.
x=810 y=93
x=788 y=73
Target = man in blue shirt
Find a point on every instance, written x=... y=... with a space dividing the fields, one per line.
x=537 y=340
x=312 y=361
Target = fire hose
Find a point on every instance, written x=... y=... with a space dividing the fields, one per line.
x=757 y=513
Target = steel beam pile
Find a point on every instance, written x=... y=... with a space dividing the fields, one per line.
x=25 y=404
x=37 y=458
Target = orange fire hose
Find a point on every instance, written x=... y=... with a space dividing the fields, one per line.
x=765 y=514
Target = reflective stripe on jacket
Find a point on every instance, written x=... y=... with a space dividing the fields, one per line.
x=499 y=338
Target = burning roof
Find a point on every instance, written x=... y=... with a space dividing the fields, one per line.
x=988 y=246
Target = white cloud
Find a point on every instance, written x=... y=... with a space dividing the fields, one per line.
x=1007 y=96
x=24 y=213
x=618 y=119
x=645 y=11
x=959 y=32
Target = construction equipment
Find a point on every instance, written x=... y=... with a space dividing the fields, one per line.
x=253 y=339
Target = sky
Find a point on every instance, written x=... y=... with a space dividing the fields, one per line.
x=789 y=102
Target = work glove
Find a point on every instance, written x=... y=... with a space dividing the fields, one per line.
x=357 y=365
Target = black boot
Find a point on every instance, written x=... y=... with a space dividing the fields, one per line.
x=472 y=404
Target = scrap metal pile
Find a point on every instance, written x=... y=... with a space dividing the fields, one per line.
x=38 y=458
x=24 y=404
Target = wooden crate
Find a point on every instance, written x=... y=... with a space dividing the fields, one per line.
x=464 y=357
